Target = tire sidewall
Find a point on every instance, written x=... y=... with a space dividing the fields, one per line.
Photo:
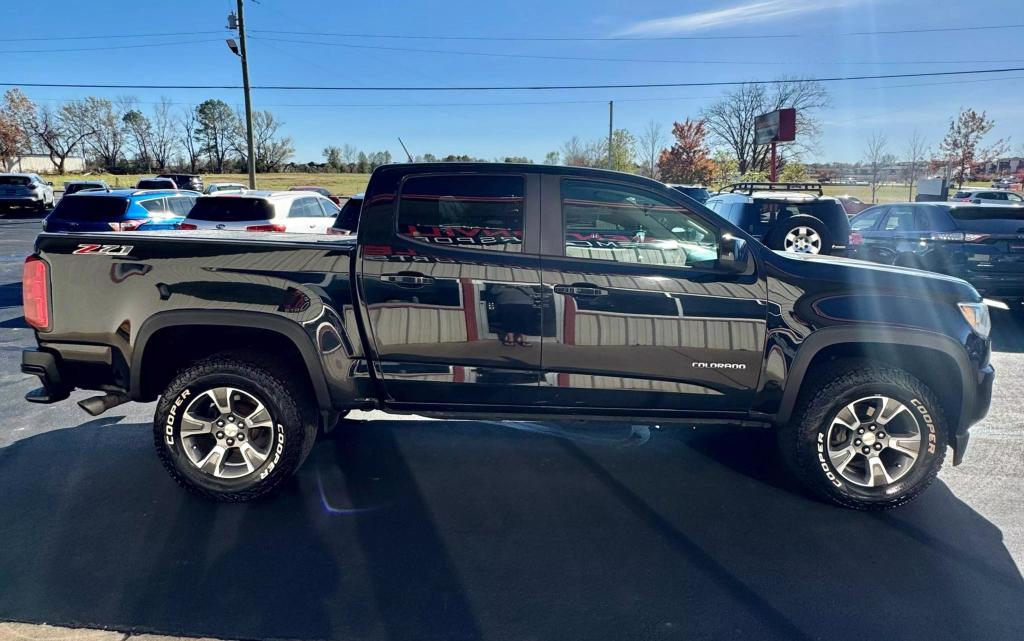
x=929 y=417
x=168 y=420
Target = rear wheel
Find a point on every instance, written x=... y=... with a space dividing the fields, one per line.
x=228 y=428
x=866 y=436
x=801 y=235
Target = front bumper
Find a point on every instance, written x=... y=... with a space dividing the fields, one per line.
x=975 y=411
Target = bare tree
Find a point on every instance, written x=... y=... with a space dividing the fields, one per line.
x=574 y=153
x=163 y=139
x=915 y=153
x=107 y=140
x=650 y=143
x=270 y=149
x=730 y=121
x=188 y=125
x=875 y=156
x=961 y=148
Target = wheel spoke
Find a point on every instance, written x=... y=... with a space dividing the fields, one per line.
x=908 y=445
x=842 y=458
x=259 y=417
x=877 y=474
x=219 y=396
x=192 y=426
x=252 y=457
x=897 y=407
x=211 y=463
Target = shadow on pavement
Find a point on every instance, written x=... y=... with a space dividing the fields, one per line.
x=1008 y=330
x=410 y=530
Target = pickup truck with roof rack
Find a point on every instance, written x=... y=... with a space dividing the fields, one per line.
x=508 y=292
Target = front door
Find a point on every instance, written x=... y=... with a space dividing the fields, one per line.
x=644 y=318
x=453 y=298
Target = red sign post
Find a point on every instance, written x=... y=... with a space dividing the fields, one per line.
x=775 y=127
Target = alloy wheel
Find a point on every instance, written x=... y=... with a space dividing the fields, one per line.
x=874 y=441
x=227 y=433
x=802 y=240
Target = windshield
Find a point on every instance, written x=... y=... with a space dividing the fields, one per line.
x=91 y=208
x=231 y=209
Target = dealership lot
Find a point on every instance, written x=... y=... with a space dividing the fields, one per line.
x=422 y=530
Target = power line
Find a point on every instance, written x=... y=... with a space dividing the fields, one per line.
x=148 y=45
x=765 y=36
x=641 y=60
x=108 y=37
x=650 y=85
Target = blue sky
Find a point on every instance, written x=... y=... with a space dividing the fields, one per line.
x=491 y=124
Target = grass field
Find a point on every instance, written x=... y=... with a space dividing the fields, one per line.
x=345 y=184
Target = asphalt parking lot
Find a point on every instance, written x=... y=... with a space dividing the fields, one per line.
x=415 y=529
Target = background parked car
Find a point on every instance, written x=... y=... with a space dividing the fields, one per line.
x=25 y=191
x=851 y=204
x=156 y=183
x=983 y=244
x=225 y=188
x=276 y=211
x=326 y=193
x=186 y=181
x=699 y=193
x=75 y=186
x=791 y=217
x=988 y=196
x=347 y=222
x=120 y=210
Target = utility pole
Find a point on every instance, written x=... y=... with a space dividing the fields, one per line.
x=249 y=140
x=611 y=107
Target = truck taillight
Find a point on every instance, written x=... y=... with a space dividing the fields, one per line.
x=35 y=285
x=856 y=239
x=187 y=226
x=265 y=228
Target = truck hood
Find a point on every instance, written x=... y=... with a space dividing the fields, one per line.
x=873 y=278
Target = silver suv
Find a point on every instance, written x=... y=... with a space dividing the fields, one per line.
x=27 y=191
x=988 y=197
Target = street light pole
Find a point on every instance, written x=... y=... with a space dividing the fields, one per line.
x=611 y=109
x=249 y=140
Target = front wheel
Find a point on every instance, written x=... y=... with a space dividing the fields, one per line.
x=228 y=428
x=866 y=436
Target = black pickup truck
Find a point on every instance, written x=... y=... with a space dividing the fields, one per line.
x=511 y=291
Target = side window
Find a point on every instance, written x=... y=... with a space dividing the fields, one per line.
x=181 y=205
x=470 y=211
x=1014 y=198
x=305 y=208
x=867 y=220
x=607 y=221
x=155 y=205
x=899 y=219
x=330 y=209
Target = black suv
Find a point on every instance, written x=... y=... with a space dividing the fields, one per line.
x=792 y=217
x=186 y=181
x=982 y=244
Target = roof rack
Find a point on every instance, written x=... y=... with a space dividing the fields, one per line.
x=750 y=188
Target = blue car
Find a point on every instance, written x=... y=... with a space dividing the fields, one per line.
x=121 y=210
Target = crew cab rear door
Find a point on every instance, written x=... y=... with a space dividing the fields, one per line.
x=644 y=317
x=449 y=281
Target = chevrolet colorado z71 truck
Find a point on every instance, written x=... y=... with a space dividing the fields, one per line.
x=511 y=291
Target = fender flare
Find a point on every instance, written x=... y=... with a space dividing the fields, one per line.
x=901 y=336
x=229 y=318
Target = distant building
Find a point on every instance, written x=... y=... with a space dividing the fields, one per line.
x=41 y=164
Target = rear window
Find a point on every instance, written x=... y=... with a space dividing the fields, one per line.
x=995 y=212
x=349 y=216
x=697 y=193
x=91 y=208
x=155 y=184
x=231 y=209
x=816 y=208
x=963 y=194
x=15 y=180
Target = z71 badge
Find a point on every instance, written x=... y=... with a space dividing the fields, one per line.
x=104 y=250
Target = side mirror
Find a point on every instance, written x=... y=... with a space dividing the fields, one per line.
x=733 y=254
x=50 y=183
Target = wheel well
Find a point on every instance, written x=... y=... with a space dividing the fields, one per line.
x=932 y=367
x=171 y=349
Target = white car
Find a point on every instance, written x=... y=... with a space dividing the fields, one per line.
x=225 y=188
x=274 y=211
x=25 y=190
x=989 y=197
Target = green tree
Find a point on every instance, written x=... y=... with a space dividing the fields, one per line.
x=961 y=148
x=363 y=163
x=793 y=172
x=332 y=156
x=552 y=158
x=623 y=151
x=217 y=126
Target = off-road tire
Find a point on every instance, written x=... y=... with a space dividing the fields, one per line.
x=291 y=406
x=777 y=237
x=801 y=440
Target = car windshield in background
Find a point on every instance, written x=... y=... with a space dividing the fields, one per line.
x=91 y=208
x=14 y=180
x=697 y=193
x=231 y=209
x=996 y=212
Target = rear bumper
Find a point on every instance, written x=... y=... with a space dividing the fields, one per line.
x=20 y=201
x=63 y=367
x=45 y=365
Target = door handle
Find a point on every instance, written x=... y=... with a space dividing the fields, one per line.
x=407 y=280
x=580 y=290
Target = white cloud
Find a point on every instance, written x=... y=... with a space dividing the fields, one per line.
x=749 y=13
